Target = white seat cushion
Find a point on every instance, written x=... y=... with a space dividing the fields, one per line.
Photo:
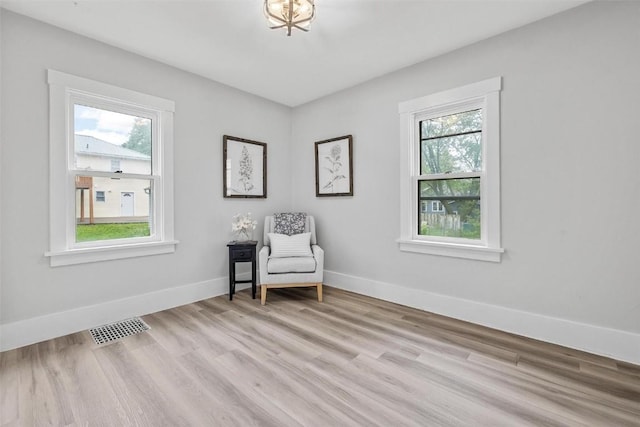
x=298 y=264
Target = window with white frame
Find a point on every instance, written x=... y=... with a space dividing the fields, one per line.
x=450 y=152
x=115 y=163
x=106 y=139
x=437 y=206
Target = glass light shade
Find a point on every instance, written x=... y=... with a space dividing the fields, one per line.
x=289 y=14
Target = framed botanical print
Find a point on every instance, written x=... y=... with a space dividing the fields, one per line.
x=244 y=168
x=334 y=167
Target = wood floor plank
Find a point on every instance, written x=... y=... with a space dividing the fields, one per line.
x=558 y=397
x=362 y=338
x=550 y=353
x=176 y=382
x=247 y=408
x=609 y=376
x=135 y=388
x=359 y=386
x=432 y=367
x=405 y=339
x=453 y=339
x=326 y=393
x=270 y=385
x=349 y=361
x=628 y=368
x=349 y=344
x=268 y=335
x=451 y=407
x=166 y=329
x=9 y=387
x=311 y=336
x=85 y=386
x=579 y=381
x=35 y=383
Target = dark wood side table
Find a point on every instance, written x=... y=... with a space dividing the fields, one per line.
x=242 y=252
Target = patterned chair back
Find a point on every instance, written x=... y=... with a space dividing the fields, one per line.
x=269 y=227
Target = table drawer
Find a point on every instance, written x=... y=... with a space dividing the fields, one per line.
x=241 y=254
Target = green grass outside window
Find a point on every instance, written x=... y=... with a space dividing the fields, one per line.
x=91 y=232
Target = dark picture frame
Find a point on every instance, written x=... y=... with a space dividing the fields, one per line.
x=334 y=167
x=244 y=168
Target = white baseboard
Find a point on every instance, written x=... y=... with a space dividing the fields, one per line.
x=30 y=331
x=617 y=344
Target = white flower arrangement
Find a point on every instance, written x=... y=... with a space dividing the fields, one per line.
x=242 y=225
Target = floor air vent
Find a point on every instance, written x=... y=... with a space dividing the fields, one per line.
x=113 y=331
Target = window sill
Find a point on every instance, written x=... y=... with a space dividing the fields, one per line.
x=480 y=253
x=106 y=253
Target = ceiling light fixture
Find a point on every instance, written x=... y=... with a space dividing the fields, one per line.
x=289 y=14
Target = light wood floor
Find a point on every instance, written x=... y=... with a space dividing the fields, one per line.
x=350 y=361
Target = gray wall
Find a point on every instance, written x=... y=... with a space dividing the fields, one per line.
x=1 y=139
x=569 y=144
x=205 y=110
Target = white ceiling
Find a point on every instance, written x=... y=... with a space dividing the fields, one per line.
x=350 y=41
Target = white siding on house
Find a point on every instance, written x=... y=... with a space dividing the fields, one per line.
x=110 y=209
x=95 y=154
x=94 y=162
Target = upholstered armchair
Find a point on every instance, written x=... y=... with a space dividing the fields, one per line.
x=293 y=260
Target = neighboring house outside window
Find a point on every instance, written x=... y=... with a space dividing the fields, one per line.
x=121 y=143
x=95 y=154
x=434 y=206
x=450 y=189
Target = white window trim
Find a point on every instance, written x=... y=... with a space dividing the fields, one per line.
x=438 y=206
x=117 y=162
x=487 y=95
x=63 y=249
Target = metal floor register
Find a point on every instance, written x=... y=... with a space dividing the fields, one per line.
x=113 y=331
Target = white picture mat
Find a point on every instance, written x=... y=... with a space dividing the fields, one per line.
x=329 y=172
x=237 y=183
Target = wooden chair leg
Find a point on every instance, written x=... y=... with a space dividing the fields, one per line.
x=319 y=288
x=263 y=294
